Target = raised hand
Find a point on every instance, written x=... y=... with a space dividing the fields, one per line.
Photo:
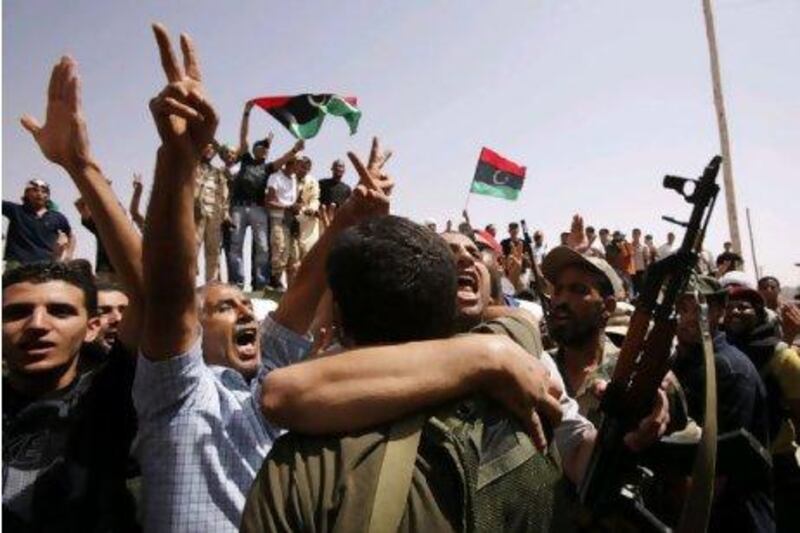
x=63 y=138
x=790 y=321
x=524 y=387
x=185 y=119
x=326 y=215
x=371 y=195
x=577 y=236
x=137 y=181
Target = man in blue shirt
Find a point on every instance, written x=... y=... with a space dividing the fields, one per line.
x=34 y=227
x=741 y=404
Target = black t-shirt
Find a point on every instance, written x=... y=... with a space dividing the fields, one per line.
x=729 y=256
x=333 y=191
x=31 y=238
x=102 y=262
x=249 y=186
x=505 y=244
x=66 y=456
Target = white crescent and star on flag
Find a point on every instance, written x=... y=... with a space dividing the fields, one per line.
x=500 y=178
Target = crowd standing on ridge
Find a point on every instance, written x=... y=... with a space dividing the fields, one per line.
x=134 y=400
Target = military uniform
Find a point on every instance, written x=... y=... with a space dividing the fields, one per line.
x=475 y=470
x=210 y=208
x=588 y=401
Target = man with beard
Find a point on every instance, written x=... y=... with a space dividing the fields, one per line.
x=387 y=383
x=749 y=329
x=396 y=282
x=585 y=292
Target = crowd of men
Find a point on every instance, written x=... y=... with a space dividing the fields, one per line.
x=407 y=379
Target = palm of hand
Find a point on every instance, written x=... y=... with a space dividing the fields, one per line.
x=63 y=138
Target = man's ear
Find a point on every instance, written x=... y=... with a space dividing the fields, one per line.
x=93 y=328
x=610 y=305
x=339 y=331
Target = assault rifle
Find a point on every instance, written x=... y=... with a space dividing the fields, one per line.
x=538 y=286
x=612 y=480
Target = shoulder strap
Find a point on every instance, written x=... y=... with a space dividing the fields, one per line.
x=394 y=478
x=697 y=509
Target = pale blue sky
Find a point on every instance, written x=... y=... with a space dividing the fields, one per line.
x=598 y=99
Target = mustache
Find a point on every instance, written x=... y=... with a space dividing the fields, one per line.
x=562 y=308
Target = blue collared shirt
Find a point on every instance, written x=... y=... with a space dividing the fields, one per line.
x=202 y=437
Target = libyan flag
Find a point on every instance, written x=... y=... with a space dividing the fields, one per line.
x=497 y=176
x=303 y=114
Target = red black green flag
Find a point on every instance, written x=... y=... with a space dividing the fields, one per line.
x=303 y=114
x=497 y=176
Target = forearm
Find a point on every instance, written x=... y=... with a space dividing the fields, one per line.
x=282 y=160
x=297 y=307
x=370 y=386
x=243 y=130
x=170 y=260
x=136 y=214
x=120 y=239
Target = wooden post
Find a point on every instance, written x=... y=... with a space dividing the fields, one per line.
x=752 y=246
x=724 y=140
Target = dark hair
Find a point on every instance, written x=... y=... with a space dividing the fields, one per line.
x=513 y=225
x=604 y=230
x=74 y=273
x=763 y=281
x=589 y=229
x=393 y=281
x=106 y=284
x=262 y=142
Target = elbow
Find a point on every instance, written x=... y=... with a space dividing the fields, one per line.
x=278 y=391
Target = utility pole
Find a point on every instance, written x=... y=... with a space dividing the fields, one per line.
x=752 y=245
x=724 y=141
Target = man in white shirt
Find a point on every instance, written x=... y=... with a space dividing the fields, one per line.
x=281 y=199
x=667 y=248
x=641 y=258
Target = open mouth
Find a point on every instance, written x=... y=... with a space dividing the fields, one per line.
x=467 y=286
x=245 y=339
x=37 y=347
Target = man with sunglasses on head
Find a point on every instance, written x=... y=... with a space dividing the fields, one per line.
x=34 y=227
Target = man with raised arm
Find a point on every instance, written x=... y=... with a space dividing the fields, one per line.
x=67 y=430
x=198 y=379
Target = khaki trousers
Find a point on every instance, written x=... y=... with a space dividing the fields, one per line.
x=209 y=234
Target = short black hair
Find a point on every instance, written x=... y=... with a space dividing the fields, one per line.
x=74 y=273
x=263 y=142
x=393 y=281
x=766 y=279
x=106 y=284
x=589 y=229
x=513 y=225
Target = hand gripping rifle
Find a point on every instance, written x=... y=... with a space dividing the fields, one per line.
x=609 y=485
x=538 y=286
